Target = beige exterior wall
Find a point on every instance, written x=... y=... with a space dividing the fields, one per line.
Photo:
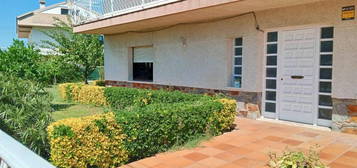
x=205 y=59
x=36 y=38
x=192 y=55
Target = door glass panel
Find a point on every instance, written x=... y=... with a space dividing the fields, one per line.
x=239 y=41
x=270 y=84
x=325 y=100
x=237 y=82
x=272 y=48
x=325 y=114
x=325 y=73
x=327 y=32
x=326 y=46
x=238 y=61
x=238 y=70
x=325 y=87
x=270 y=95
x=270 y=107
x=326 y=60
x=272 y=36
x=271 y=72
x=272 y=60
x=238 y=51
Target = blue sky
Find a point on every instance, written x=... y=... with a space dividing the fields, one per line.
x=10 y=9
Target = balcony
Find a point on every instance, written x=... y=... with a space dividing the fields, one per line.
x=15 y=155
x=83 y=11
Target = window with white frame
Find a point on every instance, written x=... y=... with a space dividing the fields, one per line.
x=325 y=82
x=271 y=72
x=143 y=64
x=237 y=62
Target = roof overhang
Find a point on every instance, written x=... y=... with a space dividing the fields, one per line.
x=182 y=12
x=25 y=23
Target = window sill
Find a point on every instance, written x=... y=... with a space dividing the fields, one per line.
x=143 y=82
x=234 y=89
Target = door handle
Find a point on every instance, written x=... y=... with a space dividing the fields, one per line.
x=297 y=77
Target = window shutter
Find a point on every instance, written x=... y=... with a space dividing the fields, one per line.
x=143 y=54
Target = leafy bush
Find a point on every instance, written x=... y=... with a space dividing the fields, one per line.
x=21 y=60
x=100 y=83
x=25 y=112
x=291 y=159
x=80 y=93
x=65 y=90
x=27 y=62
x=157 y=127
x=122 y=97
x=91 y=95
x=57 y=70
x=94 y=141
x=154 y=121
x=224 y=118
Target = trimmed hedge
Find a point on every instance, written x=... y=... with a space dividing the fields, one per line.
x=99 y=83
x=65 y=90
x=80 y=93
x=157 y=127
x=122 y=97
x=151 y=121
x=94 y=141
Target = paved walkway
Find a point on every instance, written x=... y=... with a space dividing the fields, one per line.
x=249 y=146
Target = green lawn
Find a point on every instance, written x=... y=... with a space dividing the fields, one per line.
x=65 y=109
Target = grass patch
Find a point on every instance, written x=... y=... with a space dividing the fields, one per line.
x=64 y=109
x=193 y=143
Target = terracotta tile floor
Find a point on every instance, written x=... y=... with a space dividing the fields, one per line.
x=248 y=147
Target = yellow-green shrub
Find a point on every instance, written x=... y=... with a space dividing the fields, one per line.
x=227 y=115
x=65 y=90
x=86 y=94
x=94 y=141
x=152 y=121
x=98 y=83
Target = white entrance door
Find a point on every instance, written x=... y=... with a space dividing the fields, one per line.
x=297 y=79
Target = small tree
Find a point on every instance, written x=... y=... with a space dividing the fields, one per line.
x=21 y=60
x=82 y=50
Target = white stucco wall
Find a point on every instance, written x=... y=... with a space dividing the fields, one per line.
x=56 y=10
x=205 y=60
x=37 y=37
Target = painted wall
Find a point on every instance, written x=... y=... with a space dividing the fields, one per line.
x=193 y=55
x=200 y=55
x=37 y=37
x=56 y=10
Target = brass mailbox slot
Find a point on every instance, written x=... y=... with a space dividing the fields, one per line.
x=297 y=77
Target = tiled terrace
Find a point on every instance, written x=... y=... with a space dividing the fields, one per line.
x=249 y=146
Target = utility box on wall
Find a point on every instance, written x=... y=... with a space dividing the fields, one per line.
x=348 y=13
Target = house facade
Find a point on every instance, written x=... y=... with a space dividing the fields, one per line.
x=289 y=60
x=32 y=25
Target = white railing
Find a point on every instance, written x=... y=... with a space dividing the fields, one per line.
x=83 y=11
x=15 y=155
